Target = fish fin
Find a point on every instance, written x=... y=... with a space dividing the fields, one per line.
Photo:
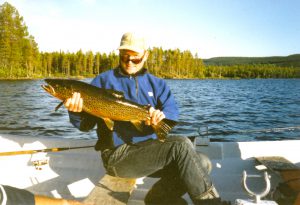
x=59 y=105
x=138 y=124
x=147 y=107
x=109 y=123
x=163 y=128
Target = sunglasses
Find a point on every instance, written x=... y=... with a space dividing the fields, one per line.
x=126 y=58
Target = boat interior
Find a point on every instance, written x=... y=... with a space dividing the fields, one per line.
x=73 y=173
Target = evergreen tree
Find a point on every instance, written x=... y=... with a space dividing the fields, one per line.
x=18 y=50
x=97 y=62
x=90 y=63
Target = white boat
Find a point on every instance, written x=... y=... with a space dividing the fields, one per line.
x=73 y=173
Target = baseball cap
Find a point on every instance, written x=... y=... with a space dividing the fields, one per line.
x=133 y=42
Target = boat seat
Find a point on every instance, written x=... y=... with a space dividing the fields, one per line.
x=289 y=172
x=111 y=191
x=277 y=163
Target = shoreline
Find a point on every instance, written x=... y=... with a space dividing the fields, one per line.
x=175 y=78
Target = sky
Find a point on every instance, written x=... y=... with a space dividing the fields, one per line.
x=210 y=28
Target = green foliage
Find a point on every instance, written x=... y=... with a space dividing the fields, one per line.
x=175 y=64
x=20 y=58
x=18 y=50
x=284 y=61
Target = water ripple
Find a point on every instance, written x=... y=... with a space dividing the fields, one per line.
x=224 y=110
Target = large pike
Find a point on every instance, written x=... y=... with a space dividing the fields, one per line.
x=110 y=105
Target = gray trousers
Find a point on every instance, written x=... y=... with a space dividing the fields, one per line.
x=180 y=168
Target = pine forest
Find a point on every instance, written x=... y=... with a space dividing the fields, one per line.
x=20 y=58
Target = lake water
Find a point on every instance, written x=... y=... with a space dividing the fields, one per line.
x=228 y=110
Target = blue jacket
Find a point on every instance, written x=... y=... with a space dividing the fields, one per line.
x=142 y=88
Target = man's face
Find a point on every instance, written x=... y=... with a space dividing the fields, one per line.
x=131 y=62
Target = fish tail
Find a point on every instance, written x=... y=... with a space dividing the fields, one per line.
x=163 y=128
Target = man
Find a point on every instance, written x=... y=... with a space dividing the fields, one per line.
x=128 y=152
x=14 y=196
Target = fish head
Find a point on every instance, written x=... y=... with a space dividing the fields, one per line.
x=59 y=88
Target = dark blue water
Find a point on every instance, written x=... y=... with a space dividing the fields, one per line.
x=230 y=110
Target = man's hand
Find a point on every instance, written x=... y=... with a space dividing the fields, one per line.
x=155 y=116
x=75 y=103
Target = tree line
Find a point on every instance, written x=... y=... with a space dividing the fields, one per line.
x=21 y=58
x=285 y=61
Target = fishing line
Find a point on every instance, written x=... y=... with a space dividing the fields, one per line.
x=270 y=130
x=55 y=149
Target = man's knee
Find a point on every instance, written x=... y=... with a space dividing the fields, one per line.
x=205 y=161
x=186 y=143
x=181 y=141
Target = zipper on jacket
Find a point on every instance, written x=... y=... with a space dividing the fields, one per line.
x=136 y=86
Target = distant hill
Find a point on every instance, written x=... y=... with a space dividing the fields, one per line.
x=289 y=61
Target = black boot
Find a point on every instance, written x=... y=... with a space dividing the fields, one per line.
x=215 y=201
x=156 y=197
x=211 y=197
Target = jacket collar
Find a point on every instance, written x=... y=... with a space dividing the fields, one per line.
x=139 y=73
